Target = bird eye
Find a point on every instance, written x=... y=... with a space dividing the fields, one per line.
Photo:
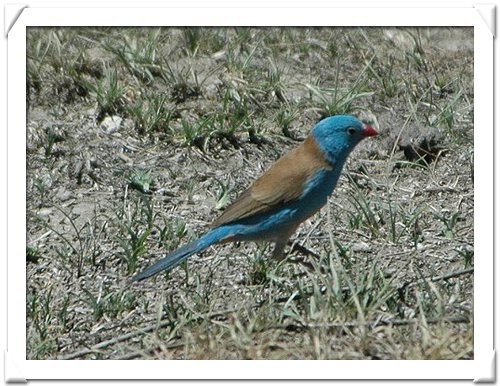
x=351 y=130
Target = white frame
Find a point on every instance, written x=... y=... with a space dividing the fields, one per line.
x=481 y=368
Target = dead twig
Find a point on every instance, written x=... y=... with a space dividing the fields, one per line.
x=116 y=340
x=370 y=324
x=137 y=354
x=446 y=276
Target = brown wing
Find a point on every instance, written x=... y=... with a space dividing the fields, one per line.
x=282 y=183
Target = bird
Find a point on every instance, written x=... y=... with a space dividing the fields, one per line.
x=294 y=188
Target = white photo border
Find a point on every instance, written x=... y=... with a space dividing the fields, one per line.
x=480 y=368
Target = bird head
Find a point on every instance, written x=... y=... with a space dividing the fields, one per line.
x=338 y=135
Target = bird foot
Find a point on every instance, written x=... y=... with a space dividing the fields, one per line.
x=303 y=250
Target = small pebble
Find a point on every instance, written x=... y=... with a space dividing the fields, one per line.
x=111 y=124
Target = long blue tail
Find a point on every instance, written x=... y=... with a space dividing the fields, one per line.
x=181 y=254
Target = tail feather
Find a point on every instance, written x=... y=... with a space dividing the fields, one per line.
x=183 y=253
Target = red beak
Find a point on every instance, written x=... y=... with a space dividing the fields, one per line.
x=369 y=132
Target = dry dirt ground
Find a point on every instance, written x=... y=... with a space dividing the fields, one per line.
x=138 y=138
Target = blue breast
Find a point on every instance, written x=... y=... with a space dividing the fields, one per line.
x=271 y=224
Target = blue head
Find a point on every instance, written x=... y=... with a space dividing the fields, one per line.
x=338 y=135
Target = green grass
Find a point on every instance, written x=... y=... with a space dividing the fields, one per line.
x=108 y=92
x=152 y=115
x=139 y=54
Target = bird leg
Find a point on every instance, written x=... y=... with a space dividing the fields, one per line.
x=279 y=248
x=281 y=242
